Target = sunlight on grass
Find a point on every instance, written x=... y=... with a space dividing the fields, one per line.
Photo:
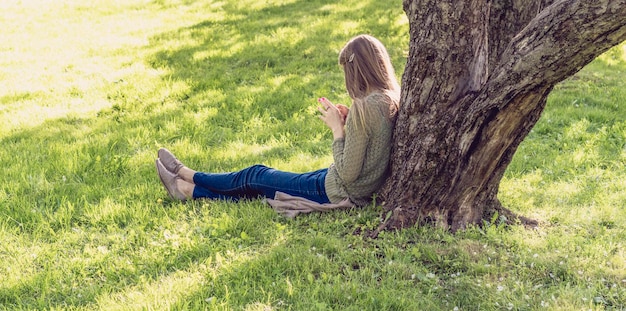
x=303 y=162
x=615 y=56
x=48 y=70
x=234 y=150
x=344 y=28
x=173 y=289
x=18 y=256
x=161 y=294
x=254 y=5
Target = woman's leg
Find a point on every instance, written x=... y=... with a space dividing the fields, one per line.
x=185 y=187
x=186 y=174
x=251 y=182
x=258 y=181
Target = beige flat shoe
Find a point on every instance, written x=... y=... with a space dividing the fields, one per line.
x=170 y=162
x=169 y=181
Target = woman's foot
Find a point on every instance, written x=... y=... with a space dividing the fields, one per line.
x=169 y=181
x=169 y=161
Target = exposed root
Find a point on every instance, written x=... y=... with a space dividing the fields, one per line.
x=399 y=218
x=513 y=218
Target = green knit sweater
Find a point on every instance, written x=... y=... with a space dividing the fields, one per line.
x=361 y=161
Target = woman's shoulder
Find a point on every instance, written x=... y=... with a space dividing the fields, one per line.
x=382 y=98
x=381 y=101
x=377 y=97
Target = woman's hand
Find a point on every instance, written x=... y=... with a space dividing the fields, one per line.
x=332 y=116
x=343 y=110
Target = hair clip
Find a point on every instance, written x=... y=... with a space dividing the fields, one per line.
x=351 y=58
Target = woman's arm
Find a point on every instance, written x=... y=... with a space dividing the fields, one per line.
x=332 y=116
x=349 y=153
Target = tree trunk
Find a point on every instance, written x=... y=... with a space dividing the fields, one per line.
x=475 y=83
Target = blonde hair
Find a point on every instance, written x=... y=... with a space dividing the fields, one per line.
x=367 y=68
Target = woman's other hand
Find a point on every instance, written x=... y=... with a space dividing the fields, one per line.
x=343 y=110
x=332 y=116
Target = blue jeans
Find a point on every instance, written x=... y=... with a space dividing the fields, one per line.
x=260 y=181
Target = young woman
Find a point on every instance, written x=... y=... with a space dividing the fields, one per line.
x=361 y=146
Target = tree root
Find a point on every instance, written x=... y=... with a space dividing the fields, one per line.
x=513 y=218
x=400 y=218
x=395 y=220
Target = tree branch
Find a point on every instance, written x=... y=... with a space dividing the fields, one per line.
x=558 y=42
x=506 y=19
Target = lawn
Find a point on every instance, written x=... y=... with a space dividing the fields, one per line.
x=89 y=90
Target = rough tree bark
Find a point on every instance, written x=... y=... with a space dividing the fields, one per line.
x=475 y=83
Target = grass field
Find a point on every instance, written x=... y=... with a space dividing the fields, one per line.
x=89 y=90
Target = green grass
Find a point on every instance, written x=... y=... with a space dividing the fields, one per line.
x=89 y=92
